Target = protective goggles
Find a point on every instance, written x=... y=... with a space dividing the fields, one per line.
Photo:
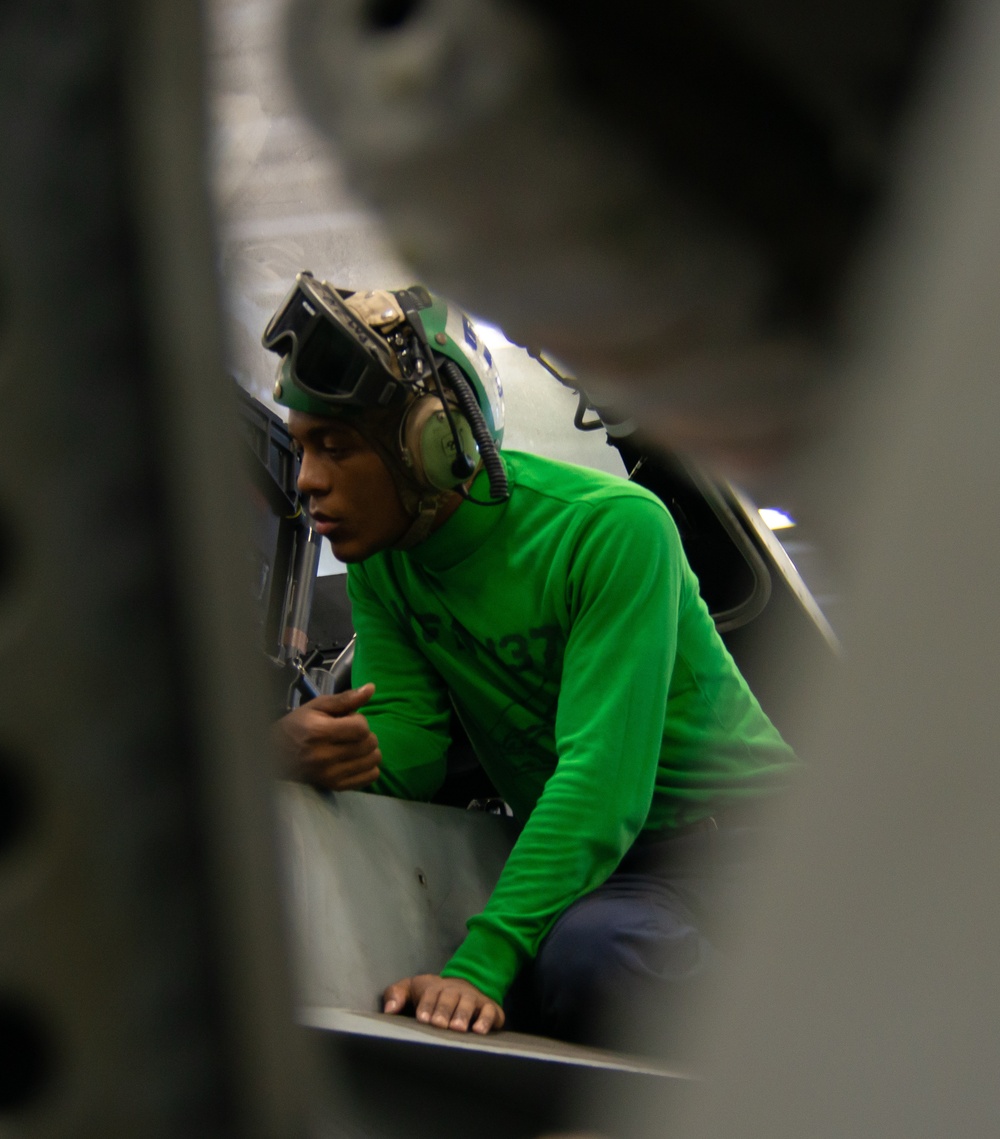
x=332 y=354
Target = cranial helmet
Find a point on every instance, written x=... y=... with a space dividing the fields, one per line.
x=408 y=370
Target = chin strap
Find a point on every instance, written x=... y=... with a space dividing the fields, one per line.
x=423 y=523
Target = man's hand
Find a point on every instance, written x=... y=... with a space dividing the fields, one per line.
x=445 y=1002
x=327 y=742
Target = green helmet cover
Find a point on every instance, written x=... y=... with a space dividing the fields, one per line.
x=450 y=333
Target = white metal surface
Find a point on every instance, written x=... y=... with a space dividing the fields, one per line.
x=511 y=1044
x=381 y=889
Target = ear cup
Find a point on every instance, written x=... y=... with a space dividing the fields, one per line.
x=429 y=446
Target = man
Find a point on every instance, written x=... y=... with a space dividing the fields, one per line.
x=553 y=610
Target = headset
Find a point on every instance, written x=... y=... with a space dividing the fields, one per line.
x=404 y=352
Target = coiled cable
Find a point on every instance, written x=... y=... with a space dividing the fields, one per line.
x=469 y=406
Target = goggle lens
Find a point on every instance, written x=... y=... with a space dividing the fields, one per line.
x=326 y=356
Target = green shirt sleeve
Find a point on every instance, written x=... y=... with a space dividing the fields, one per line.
x=623 y=591
x=410 y=712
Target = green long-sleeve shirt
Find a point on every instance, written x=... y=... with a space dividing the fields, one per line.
x=567 y=630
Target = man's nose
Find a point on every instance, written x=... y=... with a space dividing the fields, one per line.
x=311 y=480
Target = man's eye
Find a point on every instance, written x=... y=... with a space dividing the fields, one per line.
x=336 y=450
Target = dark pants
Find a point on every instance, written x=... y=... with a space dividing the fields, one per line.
x=626 y=965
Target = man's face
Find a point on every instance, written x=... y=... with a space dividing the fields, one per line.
x=350 y=494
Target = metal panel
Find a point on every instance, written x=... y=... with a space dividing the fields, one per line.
x=445 y=1088
x=381 y=889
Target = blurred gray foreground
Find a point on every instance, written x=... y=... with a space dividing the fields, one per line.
x=869 y=1004
x=144 y=989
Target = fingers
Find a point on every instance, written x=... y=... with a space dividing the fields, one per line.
x=449 y=1002
x=334 y=779
x=310 y=727
x=327 y=742
x=490 y=1019
x=318 y=727
x=343 y=703
x=461 y=1017
x=337 y=752
x=396 y=997
x=328 y=748
x=336 y=774
x=459 y=1007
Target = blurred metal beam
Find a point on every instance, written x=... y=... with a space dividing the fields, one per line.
x=671 y=203
x=143 y=981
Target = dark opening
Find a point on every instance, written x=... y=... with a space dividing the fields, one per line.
x=25 y=1056
x=14 y=804
x=387 y=15
x=6 y=555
